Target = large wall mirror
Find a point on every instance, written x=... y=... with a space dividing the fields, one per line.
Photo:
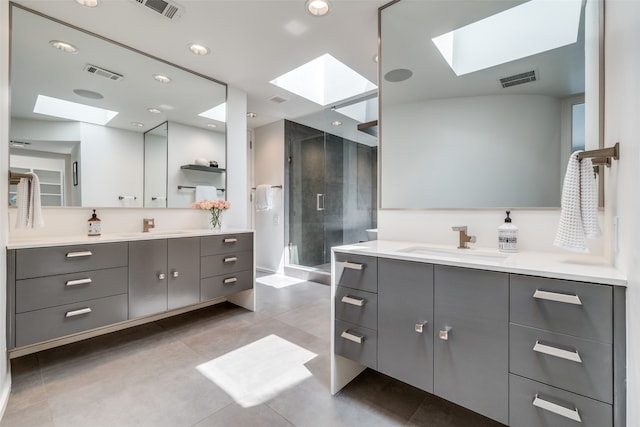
x=463 y=128
x=148 y=121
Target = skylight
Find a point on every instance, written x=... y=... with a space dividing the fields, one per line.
x=363 y=111
x=72 y=110
x=218 y=113
x=324 y=80
x=524 y=30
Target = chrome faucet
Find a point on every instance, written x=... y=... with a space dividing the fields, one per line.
x=148 y=224
x=464 y=237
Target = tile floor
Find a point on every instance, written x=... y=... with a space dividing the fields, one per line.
x=147 y=376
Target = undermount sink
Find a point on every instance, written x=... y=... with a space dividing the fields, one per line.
x=154 y=233
x=470 y=253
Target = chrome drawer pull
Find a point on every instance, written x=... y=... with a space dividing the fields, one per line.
x=230 y=259
x=230 y=280
x=230 y=240
x=78 y=312
x=161 y=276
x=555 y=296
x=77 y=282
x=359 y=302
x=353 y=266
x=359 y=339
x=574 y=356
x=175 y=274
x=419 y=327
x=78 y=254
x=572 y=414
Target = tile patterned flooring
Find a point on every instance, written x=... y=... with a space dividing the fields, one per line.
x=146 y=376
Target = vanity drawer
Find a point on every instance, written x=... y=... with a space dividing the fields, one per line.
x=43 y=292
x=559 y=408
x=357 y=343
x=573 y=308
x=224 y=243
x=41 y=325
x=38 y=262
x=574 y=364
x=357 y=271
x=226 y=284
x=357 y=307
x=225 y=263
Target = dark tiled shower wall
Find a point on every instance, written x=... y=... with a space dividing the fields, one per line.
x=345 y=172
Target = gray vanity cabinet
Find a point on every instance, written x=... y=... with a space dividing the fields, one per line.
x=405 y=328
x=471 y=345
x=226 y=265
x=183 y=261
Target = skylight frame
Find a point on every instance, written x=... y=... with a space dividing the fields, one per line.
x=63 y=109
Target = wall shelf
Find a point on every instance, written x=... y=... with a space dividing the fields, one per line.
x=202 y=168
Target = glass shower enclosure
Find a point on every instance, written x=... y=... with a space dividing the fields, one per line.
x=332 y=194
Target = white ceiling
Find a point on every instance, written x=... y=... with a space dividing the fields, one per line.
x=251 y=41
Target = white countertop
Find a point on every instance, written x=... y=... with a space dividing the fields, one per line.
x=39 y=241
x=569 y=266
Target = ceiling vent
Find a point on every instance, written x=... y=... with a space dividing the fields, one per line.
x=103 y=73
x=278 y=99
x=518 y=79
x=168 y=9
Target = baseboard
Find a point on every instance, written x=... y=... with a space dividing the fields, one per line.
x=6 y=392
x=266 y=270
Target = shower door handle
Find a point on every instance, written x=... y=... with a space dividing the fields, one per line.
x=320 y=202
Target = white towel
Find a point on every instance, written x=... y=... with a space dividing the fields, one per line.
x=264 y=198
x=206 y=192
x=579 y=214
x=28 y=200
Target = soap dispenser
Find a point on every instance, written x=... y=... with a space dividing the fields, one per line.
x=95 y=225
x=508 y=236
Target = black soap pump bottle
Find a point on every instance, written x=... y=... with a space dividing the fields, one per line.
x=95 y=225
x=508 y=236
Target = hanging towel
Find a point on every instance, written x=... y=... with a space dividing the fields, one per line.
x=29 y=213
x=579 y=206
x=206 y=192
x=264 y=198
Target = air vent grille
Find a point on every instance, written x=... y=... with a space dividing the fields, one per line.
x=278 y=99
x=168 y=9
x=98 y=71
x=518 y=79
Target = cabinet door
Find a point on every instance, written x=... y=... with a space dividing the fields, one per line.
x=147 y=277
x=184 y=272
x=471 y=349
x=405 y=321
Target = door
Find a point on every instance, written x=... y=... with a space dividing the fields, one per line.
x=183 y=272
x=147 y=277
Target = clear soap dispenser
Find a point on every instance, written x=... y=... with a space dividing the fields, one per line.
x=508 y=236
x=95 y=225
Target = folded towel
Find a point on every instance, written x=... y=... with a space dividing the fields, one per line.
x=579 y=214
x=264 y=198
x=206 y=192
x=28 y=201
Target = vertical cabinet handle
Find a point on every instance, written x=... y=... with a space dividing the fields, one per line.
x=161 y=276
x=353 y=265
x=230 y=259
x=557 y=297
x=78 y=254
x=574 y=356
x=72 y=313
x=77 y=282
x=419 y=327
x=572 y=414
x=320 y=202
x=175 y=274
x=358 y=339
x=359 y=302
x=230 y=240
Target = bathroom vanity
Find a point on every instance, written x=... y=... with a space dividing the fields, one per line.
x=64 y=290
x=525 y=339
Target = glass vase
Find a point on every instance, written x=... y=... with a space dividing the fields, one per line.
x=216 y=220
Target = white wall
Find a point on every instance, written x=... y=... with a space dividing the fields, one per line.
x=622 y=110
x=237 y=155
x=269 y=169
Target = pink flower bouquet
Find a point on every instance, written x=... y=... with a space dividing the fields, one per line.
x=216 y=207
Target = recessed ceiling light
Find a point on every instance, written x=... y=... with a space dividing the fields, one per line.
x=212 y=125
x=88 y=94
x=317 y=7
x=88 y=3
x=336 y=123
x=198 y=49
x=252 y=115
x=137 y=124
x=161 y=78
x=63 y=46
x=154 y=110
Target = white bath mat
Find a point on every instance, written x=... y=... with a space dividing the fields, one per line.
x=278 y=281
x=255 y=373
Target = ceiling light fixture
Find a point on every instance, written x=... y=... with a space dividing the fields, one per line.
x=88 y=3
x=252 y=115
x=212 y=125
x=137 y=124
x=161 y=78
x=336 y=123
x=198 y=49
x=317 y=7
x=154 y=110
x=63 y=46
